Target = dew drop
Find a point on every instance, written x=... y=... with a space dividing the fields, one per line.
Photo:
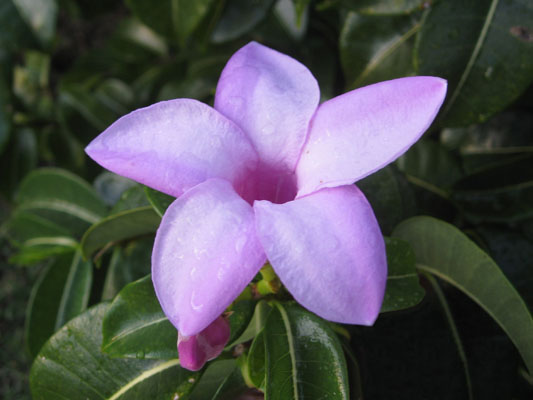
x=196 y=306
x=488 y=72
x=191 y=380
x=268 y=129
x=140 y=355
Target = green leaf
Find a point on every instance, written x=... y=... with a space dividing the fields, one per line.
x=477 y=46
x=5 y=114
x=374 y=49
x=293 y=16
x=221 y=380
x=61 y=293
x=239 y=318
x=239 y=17
x=444 y=251
x=384 y=7
x=501 y=193
x=304 y=357
x=160 y=201
x=123 y=225
x=20 y=157
x=111 y=186
x=430 y=163
x=128 y=264
x=256 y=362
x=132 y=198
x=71 y=366
x=403 y=288
x=157 y=16
x=135 y=326
x=186 y=16
x=60 y=197
x=40 y=16
x=14 y=32
x=390 y=195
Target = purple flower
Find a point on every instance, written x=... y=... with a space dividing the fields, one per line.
x=268 y=173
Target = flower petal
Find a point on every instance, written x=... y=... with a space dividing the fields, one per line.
x=173 y=145
x=195 y=350
x=205 y=253
x=328 y=251
x=272 y=97
x=359 y=132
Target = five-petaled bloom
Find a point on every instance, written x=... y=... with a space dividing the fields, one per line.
x=267 y=173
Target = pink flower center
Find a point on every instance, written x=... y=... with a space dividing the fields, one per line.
x=267 y=183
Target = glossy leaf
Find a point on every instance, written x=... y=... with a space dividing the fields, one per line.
x=160 y=201
x=501 y=193
x=132 y=198
x=157 y=16
x=428 y=162
x=61 y=293
x=403 y=288
x=123 y=225
x=222 y=380
x=71 y=366
x=110 y=186
x=239 y=17
x=61 y=197
x=256 y=362
x=375 y=49
x=390 y=195
x=304 y=358
x=239 y=318
x=128 y=263
x=477 y=54
x=135 y=325
x=447 y=253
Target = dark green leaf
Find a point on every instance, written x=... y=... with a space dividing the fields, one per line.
x=160 y=201
x=158 y=16
x=293 y=17
x=384 y=7
x=60 y=294
x=132 y=198
x=256 y=361
x=71 y=366
x=241 y=314
x=61 y=197
x=390 y=195
x=111 y=186
x=134 y=325
x=127 y=264
x=40 y=16
x=501 y=193
x=120 y=226
x=428 y=162
x=5 y=112
x=239 y=17
x=222 y=380
x=20 y=157
x=304 y=357
x=403 y=288
x=477 y=53
x=186 y=15
x=15 y=32
x=443 y=250
x=374 y=49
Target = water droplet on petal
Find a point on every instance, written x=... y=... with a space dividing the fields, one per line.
x=195 y=304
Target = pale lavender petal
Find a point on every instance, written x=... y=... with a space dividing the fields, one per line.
x=205 y=253
x=195 y=350
x=328 y=251
x=361 y=131
x=173 y=145
x=272 y=97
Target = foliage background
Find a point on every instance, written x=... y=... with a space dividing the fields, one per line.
x=69 y=68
